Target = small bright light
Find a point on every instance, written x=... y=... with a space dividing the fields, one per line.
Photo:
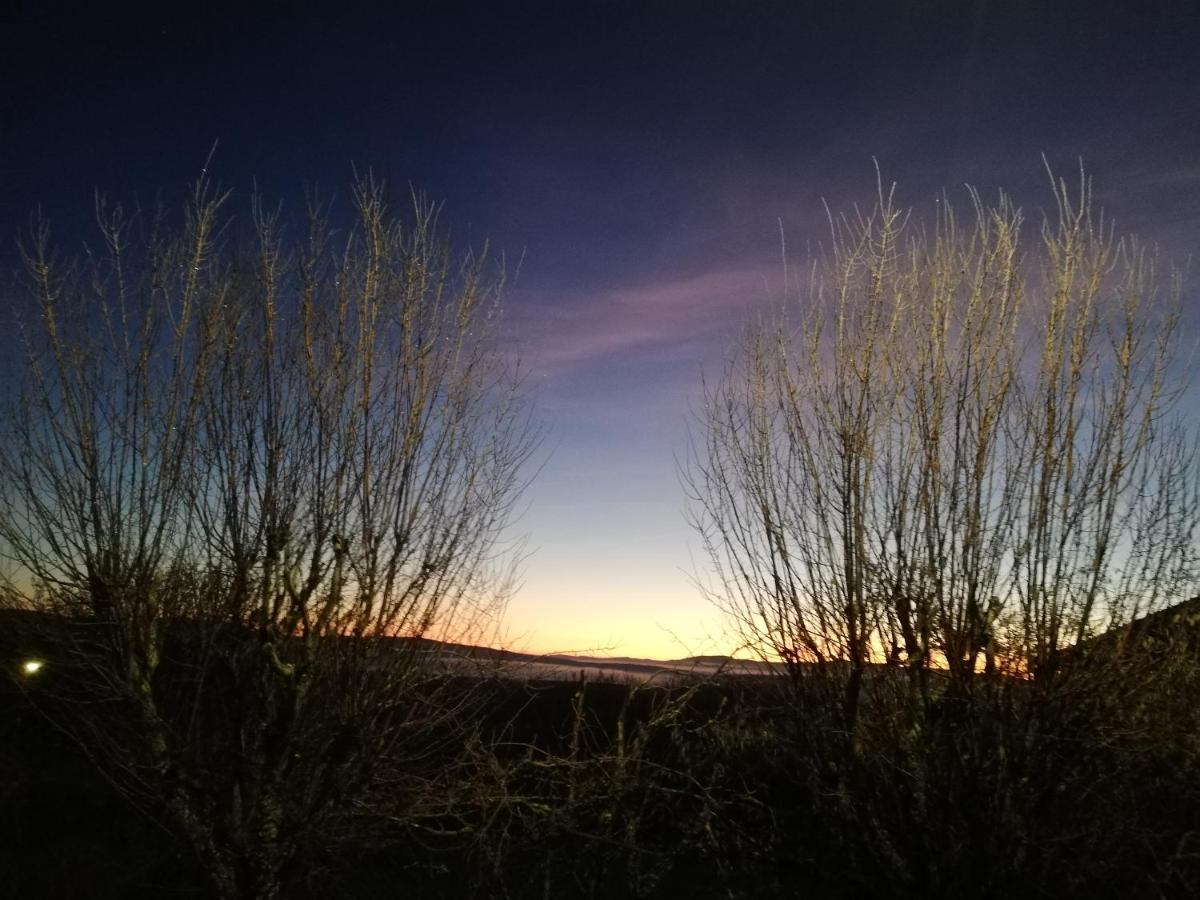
x=31 y=666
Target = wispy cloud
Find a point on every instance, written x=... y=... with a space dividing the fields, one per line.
x=563 y=332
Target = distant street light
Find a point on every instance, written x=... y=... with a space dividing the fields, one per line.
x=31 y=666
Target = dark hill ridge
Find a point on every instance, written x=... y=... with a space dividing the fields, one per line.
x=27 y=633
x=1148 y=634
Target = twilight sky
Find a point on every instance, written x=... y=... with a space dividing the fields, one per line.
x=642 y=157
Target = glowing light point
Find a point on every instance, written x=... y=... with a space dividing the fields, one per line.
x=31 y=666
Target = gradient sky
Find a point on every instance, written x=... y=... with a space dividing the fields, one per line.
x=642 y=157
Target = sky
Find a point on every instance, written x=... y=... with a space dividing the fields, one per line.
x=641 y=159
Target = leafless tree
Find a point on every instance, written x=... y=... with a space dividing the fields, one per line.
x=248 y=478
x=966 y=453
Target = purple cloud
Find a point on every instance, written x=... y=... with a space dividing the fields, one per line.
x=561 y=333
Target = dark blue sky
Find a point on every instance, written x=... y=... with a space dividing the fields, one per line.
x=640 y=155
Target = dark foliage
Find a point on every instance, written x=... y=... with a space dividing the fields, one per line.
x=1076 y=785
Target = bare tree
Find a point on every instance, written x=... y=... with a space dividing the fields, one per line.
x=965 y=456
x=246 y=481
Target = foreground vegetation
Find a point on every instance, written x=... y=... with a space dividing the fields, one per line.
x=719 y=788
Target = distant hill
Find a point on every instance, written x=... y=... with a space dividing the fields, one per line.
x=25 y=633
x=1149 y=634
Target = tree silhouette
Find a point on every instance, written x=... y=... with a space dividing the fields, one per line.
x=247 y=479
